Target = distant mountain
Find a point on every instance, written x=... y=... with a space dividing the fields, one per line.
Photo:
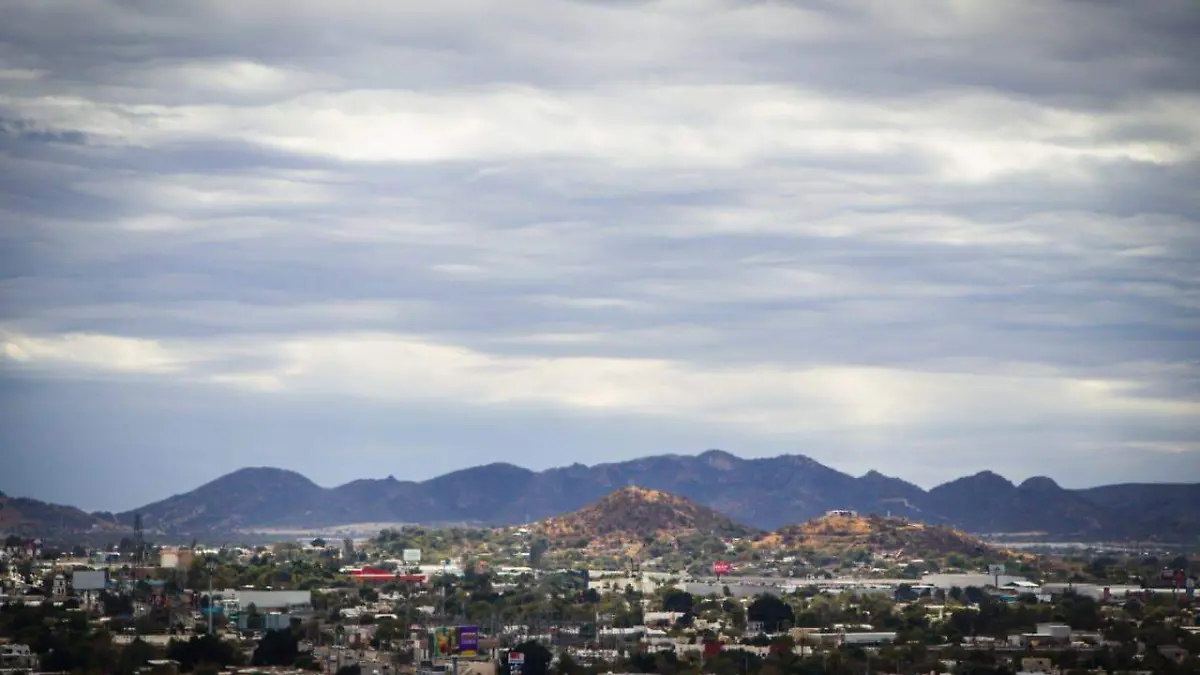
x=765 y=493
x=22 y=516
x=633 y=513
x=987 y=502
x=1166 y=510
x=837 y=534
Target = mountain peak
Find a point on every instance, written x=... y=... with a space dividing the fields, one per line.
x=635 y=513
x=988 y=478
x=260 y=473
x=719 y=459
x=1040 y=484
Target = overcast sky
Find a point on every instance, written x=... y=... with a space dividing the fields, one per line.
x=362 y=238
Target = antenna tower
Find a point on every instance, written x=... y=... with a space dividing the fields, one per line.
x=139 y=544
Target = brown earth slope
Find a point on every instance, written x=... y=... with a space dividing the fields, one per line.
x=633 y=514
x=838 y=534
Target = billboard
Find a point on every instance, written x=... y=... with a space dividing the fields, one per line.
x=89 y=580
x=996 y=570
x=468 y=641
x=516 y=661
x=440 y=639
x=455 y=641
x=411 y=555
x=722 y=567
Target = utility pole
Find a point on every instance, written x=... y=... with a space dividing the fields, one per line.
x=211 y=569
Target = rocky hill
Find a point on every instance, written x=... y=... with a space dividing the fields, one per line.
x=838 y=534
x=766 y=493
x=22 y=516
x=633 y=513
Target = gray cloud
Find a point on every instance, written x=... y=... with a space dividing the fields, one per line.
x=963 y=236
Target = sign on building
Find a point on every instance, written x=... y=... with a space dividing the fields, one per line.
x=516 y=661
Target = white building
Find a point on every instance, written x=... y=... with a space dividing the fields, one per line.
x=17 y=657
x=58 y=587
x=292 y=602
x=948 y=581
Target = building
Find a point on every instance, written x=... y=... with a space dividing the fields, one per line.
x=872 y=638
x=949 y=581
x=58 y=588
x=171 y=558
x=290 y=602
x=1173 y=653
x=842 y=513
x=371 y=575
x=1037 y=664
x=17 y=657
x=1046 y=634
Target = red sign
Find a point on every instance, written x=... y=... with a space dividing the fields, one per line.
x=722 y=567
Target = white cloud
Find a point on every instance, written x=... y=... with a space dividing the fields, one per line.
x=970 y=137
x=957 y=228
x=761 y=399
x=92 y=352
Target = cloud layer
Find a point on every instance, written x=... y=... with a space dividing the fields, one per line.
x=921 y=241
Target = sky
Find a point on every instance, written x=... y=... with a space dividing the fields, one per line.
x=360 y=238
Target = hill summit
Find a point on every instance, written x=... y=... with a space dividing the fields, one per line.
x=634 y=513
x=837 y=534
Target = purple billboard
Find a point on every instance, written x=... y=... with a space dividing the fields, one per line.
x=468 y=640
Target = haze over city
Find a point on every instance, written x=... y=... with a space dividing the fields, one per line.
x=364 y=239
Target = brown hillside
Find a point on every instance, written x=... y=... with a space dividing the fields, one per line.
x=836 y=534
x=634 y=513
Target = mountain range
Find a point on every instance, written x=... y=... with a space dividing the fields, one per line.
x=765 y=493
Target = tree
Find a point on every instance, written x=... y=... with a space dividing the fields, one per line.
x=253 y=618
x=205 y=649
x=537 y=550
x=537 y=658
x=775 y=614
x=276 y=648
x=567 y=665
x=134 y=656
x=318 y=543
x=675 y=600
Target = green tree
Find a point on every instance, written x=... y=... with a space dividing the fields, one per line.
x=134 y=656
x=276 y=648
x=676 y=600
x=775 y=614
x=537 y=658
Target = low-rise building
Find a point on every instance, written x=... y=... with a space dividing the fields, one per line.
x=17 y=657
x=1173 y=653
